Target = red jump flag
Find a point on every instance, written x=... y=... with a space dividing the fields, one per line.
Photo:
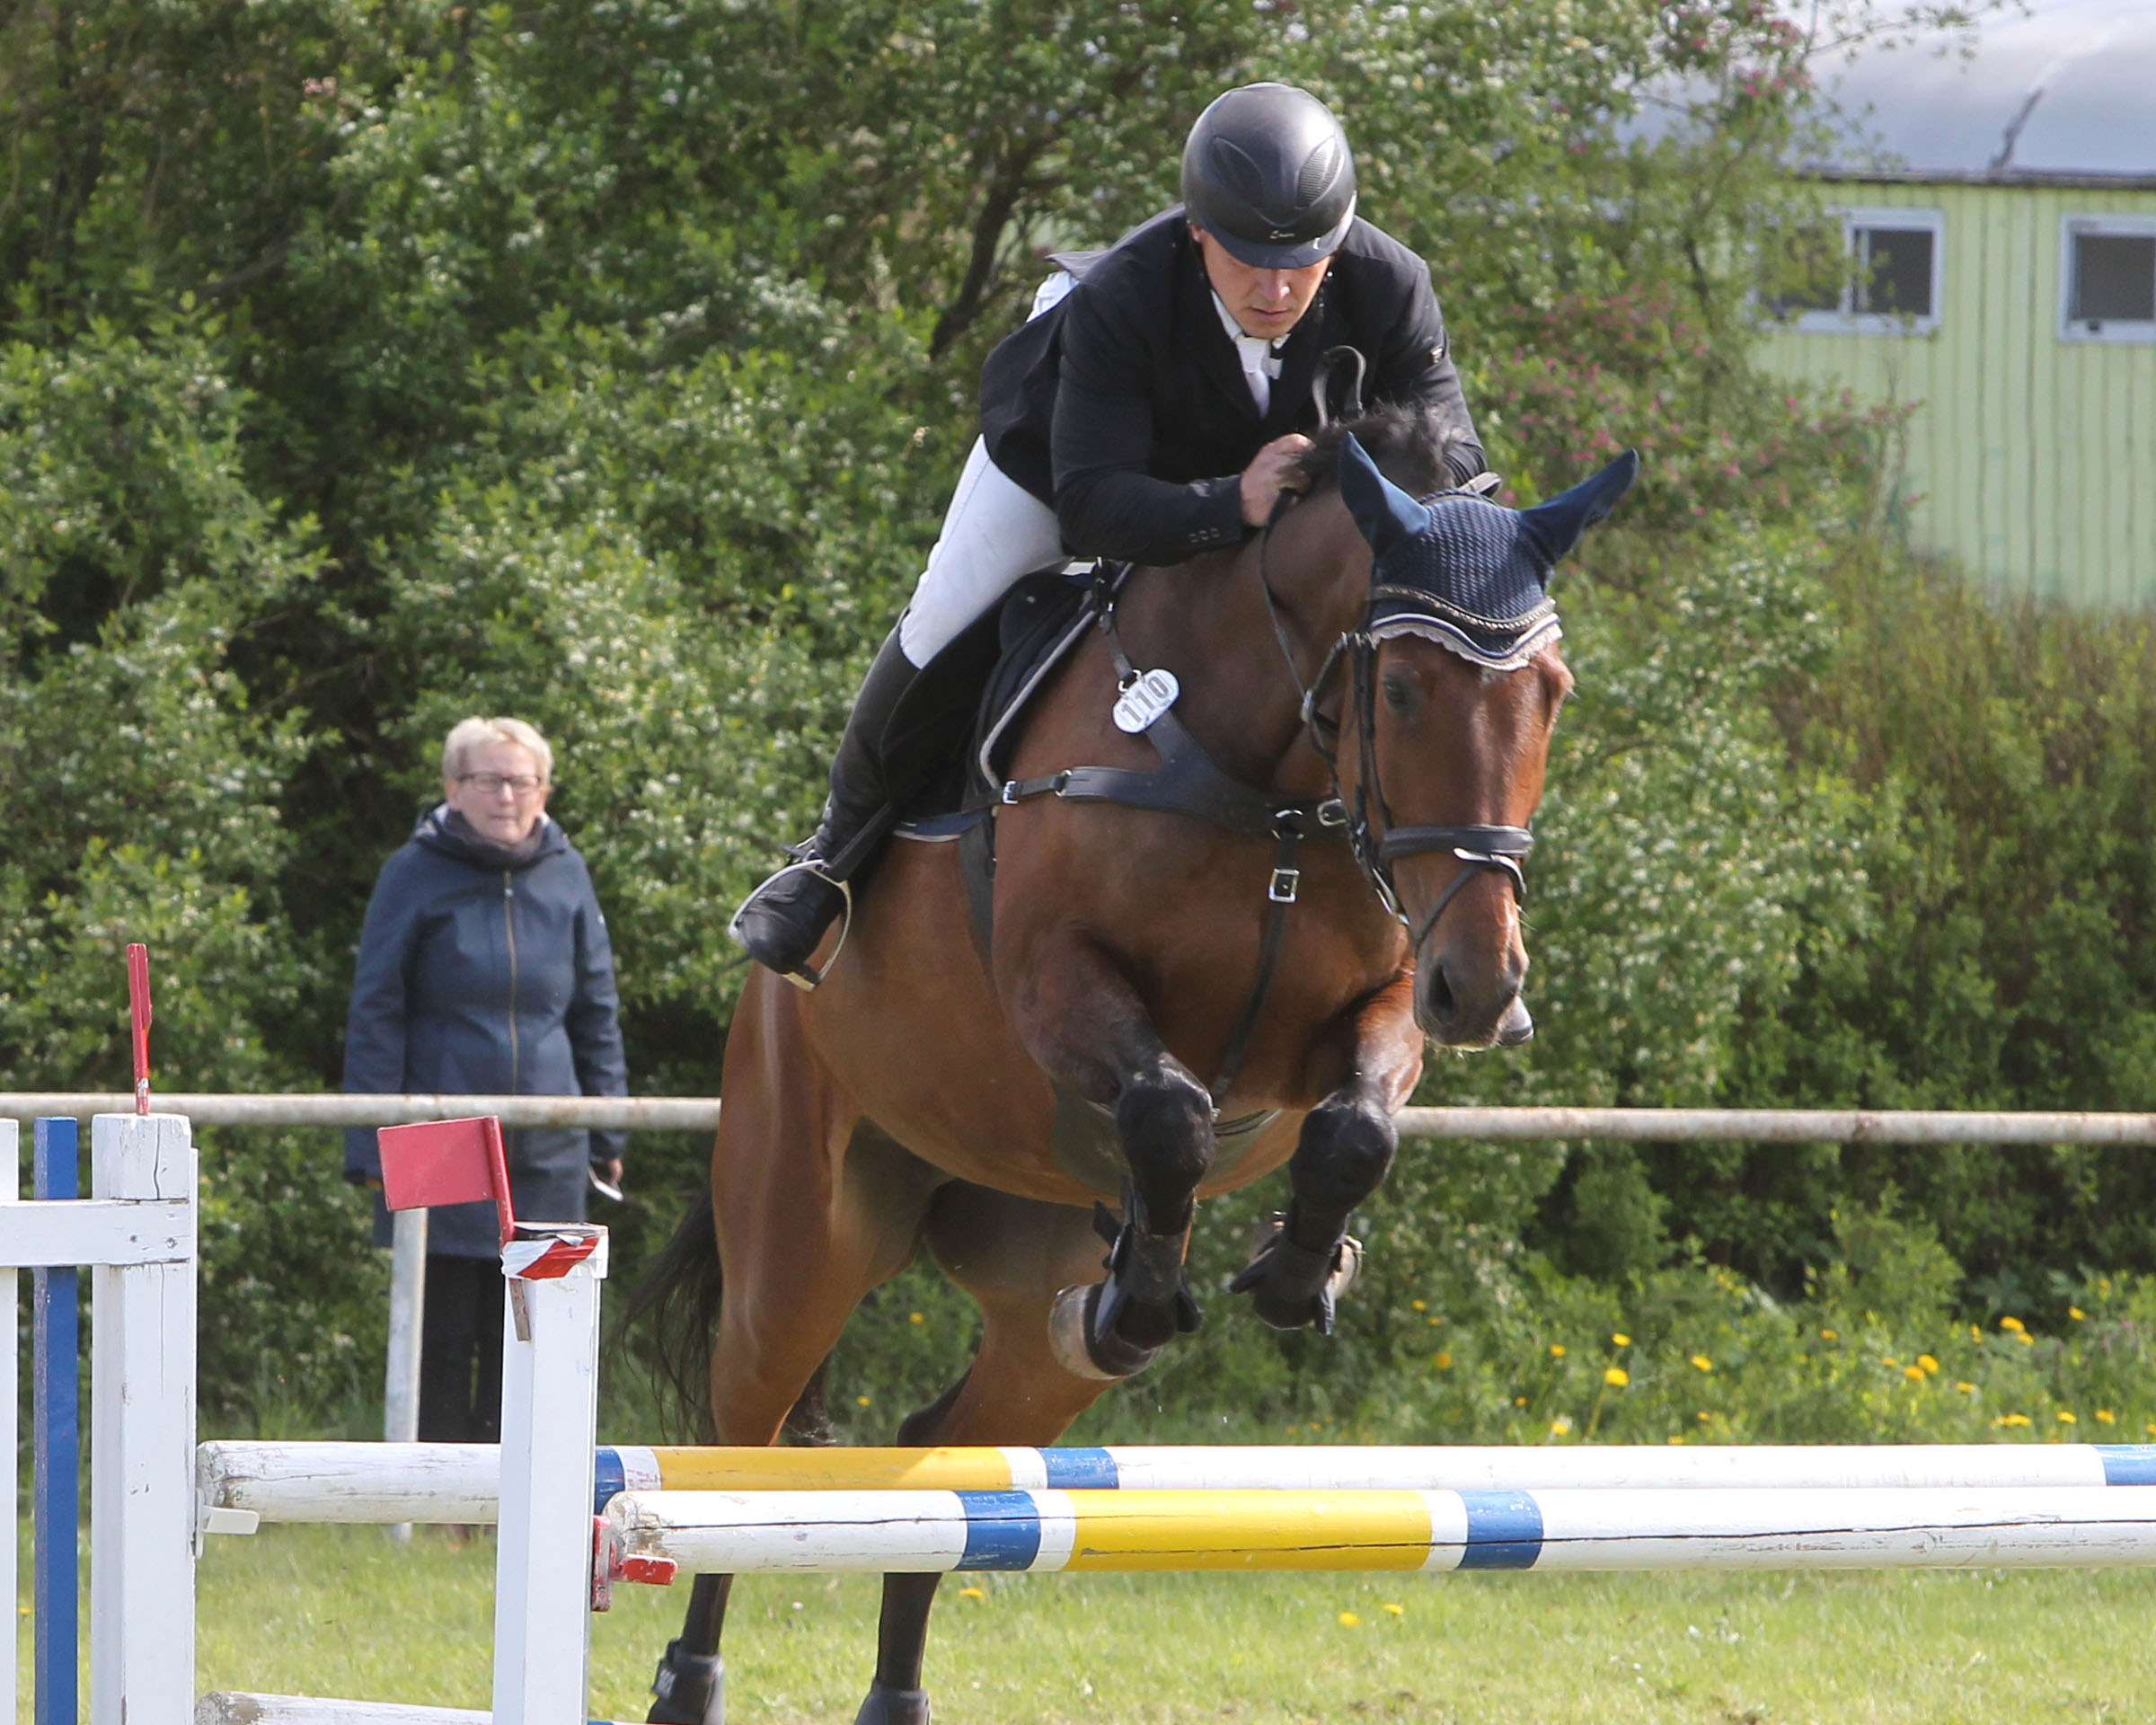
x=446 y=1162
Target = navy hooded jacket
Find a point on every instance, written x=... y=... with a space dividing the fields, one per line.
x=482 y=973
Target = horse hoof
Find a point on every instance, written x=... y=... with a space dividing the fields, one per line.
x=1291 y=1287
x=1103 y=1359
x=691 y=1688
x=893 y=1707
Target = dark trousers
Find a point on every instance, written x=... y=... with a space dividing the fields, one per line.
x=460 y=1352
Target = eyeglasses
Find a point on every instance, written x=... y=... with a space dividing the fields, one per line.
x=524 y=785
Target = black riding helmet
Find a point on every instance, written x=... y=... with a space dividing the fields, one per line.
x=1267 y=172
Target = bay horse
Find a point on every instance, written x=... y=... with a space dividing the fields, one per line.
x=1285 y=863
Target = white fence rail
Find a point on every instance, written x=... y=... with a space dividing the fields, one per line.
x=1513 y=1125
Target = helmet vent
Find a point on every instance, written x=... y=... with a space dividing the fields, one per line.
x=1318 y=172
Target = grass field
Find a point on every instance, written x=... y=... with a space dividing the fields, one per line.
x=341 y=1612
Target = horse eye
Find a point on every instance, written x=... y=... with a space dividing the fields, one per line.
x=1398 y=692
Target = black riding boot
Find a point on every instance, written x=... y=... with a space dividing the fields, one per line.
x=782 y=921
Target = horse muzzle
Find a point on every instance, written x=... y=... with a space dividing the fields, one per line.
x=1466 y=1006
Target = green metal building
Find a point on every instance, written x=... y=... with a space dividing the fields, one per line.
x=1998 y=228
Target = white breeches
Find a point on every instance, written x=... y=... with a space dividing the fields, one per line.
x=995 y=533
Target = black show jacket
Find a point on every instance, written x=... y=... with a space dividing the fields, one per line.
x=1125 y=408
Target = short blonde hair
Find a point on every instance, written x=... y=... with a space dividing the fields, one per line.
x=477 y=733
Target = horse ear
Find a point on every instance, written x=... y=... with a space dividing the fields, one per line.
x=1386 y=514
x=1558 y=524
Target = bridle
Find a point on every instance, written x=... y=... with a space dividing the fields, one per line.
x=1479 y=848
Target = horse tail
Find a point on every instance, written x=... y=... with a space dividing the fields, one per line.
x=677 y=1302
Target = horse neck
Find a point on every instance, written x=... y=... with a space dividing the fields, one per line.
x=1208 y=621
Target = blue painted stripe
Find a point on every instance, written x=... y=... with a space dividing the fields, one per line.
x=2128 y=1464
x=609 y=1479
x=1003 y=1530
x=1503 y=1530
x=57 y=1440
x=1081 y=1470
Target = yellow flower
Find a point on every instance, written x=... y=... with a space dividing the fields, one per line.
x=1702 y=1362
x=2025 y=1338
x=1519 y=1400
x=1974 y=1333
x=971 y=1593
x=1557 y=1351
x=2076 y=1314
x=1705 y=1417
x=1966 y=1389
x=2105 y=1417
x=1914 y=1374
x=2066 y=1417
x=1444 y=1362
x=2103 y=1283
x=1675 y=1438
x=2012 y=1420
x=1928 y=1364
x=1890 y=1359
x=1560 y=1425
x=2014 y=1325
x=1349 y=1620
x=1418 y=1306
x=861 y=1400
x=1830 y=1335
x=1616 y=1377
x=1394 y=1611
x=916 y=1317
x=1622 y=1339
x=1433 y=1320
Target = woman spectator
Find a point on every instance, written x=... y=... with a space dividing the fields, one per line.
x=484 y=970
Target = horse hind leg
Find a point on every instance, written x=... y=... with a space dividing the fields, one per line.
x=1013 y=1255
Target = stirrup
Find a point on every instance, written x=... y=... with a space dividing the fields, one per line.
x=807 y=977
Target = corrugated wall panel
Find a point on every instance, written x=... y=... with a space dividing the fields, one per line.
x=2034 y=458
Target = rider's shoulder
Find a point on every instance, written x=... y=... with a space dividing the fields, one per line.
x=1368 y=247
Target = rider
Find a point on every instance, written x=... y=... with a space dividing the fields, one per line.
x=1152 y=408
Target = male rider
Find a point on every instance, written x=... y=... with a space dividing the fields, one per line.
x=1149 y=412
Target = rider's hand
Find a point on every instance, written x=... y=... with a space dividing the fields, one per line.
x=1271 y=472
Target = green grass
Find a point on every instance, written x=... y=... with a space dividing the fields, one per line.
x=341 y=1612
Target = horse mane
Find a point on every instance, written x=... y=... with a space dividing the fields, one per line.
x=1411 y=447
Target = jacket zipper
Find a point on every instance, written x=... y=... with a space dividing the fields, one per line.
x=509 y=921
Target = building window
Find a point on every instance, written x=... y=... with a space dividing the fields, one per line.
x=1882 y=278
x=2107 y=290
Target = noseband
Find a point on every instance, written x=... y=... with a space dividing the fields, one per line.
x=1479 y=848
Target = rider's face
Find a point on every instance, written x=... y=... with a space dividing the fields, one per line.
x=1265 y=301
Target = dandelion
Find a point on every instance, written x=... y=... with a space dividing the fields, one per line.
x=862 y=1401
x=2012 y=1420
x=1675 y=1438
x=2014 y=1326
x=2105 y=1417
x=1974 y=1333
x=1616 y=1377
x=1394 y=1611
x=2067 y=1417
x=1702 y=1363
x=1557 y=1351
x=1519 y=1400
x=971 y=1593
x=1418 y=1306
x=1966 y=1388
x=2076 y=1314
x=1929 y=1365
x=916 y=1317
x=1830 y=1335
x=1560 y=1425
x=1914 y=1374
x=1443 y=1362
x=1704 y=1417
x=1433 y=1320
x=1349 y=1620
x=1621 y=1338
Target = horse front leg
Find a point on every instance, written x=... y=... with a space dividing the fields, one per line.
x=1305 y=1260
x=1080 y=1018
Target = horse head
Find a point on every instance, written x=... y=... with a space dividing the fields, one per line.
x=1455 y=684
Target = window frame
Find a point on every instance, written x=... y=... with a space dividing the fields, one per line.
x=1847 y=320
x=2112 y=332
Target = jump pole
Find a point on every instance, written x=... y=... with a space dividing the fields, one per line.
x=656 y=1535
x=373 y=1483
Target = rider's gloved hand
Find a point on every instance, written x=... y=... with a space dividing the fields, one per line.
x=1271 y=472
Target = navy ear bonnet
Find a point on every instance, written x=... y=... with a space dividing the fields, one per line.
x=1473 y=574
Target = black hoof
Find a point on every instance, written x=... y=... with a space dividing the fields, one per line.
x=1291 y=1287
x=893 y=1707
x=691 y=1689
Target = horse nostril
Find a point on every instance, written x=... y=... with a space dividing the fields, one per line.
x=1439 y=994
